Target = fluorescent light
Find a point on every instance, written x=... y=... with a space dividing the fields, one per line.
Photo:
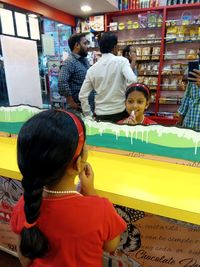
x=32 y=15
x=59 y=25
x=86 y=8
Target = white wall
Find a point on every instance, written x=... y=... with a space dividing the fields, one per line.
x=22 y=71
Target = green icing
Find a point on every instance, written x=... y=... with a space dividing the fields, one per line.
x=109 y=141
x=156 y=140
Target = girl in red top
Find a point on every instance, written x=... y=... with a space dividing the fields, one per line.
x=57 y=225
x=137 y=101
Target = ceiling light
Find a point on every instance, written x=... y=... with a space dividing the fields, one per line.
x=32 y=15
x=86 y=8
x=59 y=25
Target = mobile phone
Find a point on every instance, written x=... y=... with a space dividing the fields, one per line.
x=191 y=66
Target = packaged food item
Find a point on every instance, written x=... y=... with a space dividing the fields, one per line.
x=121 y=26
x=181 y=33
x=165 y=83
x=191 y=54
x=146 y=51
x=171 y=33
x=155 y=53
x=154 y=69
x=129 y=24
x=166 y=70
x=152 y=19
x=181 y=54
x=142 y=19
x=159 y=20
x=141 y=79
x=139 y=53
x=113 y=26
x=174 y=84
x=146 y=80
x=136 y=25
x=176 y=69
x=186 y=17
x=193 y=32
x=155 y=81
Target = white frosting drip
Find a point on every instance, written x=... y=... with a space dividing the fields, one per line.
x=144 y=131
x=7 y=112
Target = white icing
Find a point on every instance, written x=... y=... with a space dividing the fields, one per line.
x=7 y=112
x=131 y=131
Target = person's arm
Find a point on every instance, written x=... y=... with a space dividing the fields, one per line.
x=184 y=105
x=128 y=72
x=25 y=262
x=86 y=181
x=112 y=245
x=114 y=226
x=85 y=91
x=63 y=83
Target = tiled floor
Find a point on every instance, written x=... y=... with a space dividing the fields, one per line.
x=7 y=260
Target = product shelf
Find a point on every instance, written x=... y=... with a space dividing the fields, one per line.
x=164 y=42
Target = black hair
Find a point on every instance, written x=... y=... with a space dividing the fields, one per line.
x=75 y=38
x=143 y=88
x=46 y=145
x=107 y=42
x=126 y=50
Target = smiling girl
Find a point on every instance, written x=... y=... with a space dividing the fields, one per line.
x=137 y=101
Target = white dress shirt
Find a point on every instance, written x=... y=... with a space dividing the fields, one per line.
x=109 y=78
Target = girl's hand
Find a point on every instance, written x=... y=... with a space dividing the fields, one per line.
x=87 y=181
x=130 y=120
x=195 y=73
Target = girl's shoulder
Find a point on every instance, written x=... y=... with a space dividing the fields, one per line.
x=148 y=121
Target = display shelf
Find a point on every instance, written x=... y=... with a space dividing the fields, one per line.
x=183 y=42
x=133 y=29
x=163 y=43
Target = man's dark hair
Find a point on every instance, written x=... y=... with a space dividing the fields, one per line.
x=126 y=50
x=73 y=39
x=107 y=42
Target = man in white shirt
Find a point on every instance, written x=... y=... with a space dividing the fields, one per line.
x=109 y=78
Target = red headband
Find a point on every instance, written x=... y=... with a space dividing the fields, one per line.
x=139 y=85
x=79 y=128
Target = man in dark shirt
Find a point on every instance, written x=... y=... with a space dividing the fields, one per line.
x=73 y=71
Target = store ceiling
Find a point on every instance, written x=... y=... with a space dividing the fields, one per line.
x=73 y=6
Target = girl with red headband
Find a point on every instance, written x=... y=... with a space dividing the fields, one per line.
x=57 y=225
x=137 y=101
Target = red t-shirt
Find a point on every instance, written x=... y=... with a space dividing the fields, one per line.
x=146 y=121
x=76 y=227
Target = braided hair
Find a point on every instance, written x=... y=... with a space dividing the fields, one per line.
x=46 y=145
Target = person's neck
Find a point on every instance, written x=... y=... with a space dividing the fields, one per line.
x=66 y=183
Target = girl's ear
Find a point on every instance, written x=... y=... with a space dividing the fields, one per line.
x=77 y=164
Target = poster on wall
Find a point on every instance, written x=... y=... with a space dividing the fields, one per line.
x=97 y=23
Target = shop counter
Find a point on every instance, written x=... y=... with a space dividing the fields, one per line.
x=161 y=188
x=160 y=202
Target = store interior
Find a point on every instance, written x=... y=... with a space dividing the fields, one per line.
x=163 y=201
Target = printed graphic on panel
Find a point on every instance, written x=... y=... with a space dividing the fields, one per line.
x=154 y=241
x=10 y=192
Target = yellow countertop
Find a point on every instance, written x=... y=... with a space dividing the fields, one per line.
x=156 y=187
